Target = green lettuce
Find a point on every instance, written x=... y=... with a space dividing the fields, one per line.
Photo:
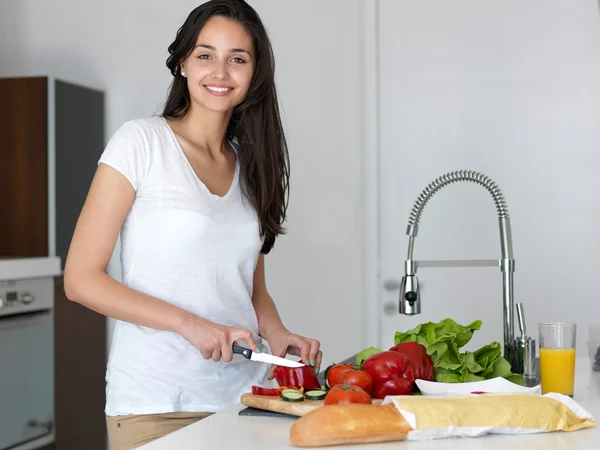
x=443 y=341
x=360 y=358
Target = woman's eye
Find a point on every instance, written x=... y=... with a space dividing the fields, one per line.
x=204 y=56
x=238 y=60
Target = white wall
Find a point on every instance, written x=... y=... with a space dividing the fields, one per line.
x=511 y=89
x=314 y=273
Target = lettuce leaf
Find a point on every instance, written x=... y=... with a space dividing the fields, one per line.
x=360 y=358
x=443 y=341
x=445 y=331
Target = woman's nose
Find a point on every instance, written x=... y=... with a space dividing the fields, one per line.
x=220 y=70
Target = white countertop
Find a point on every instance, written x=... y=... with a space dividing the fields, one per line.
x=228 y=430
x=19 y=268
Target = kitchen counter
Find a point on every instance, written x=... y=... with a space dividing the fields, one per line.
x=20 y=268
x=228 y=430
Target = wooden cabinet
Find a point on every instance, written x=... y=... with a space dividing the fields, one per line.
x=51 y=137
x=24 y=167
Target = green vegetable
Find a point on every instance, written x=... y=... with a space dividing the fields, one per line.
x=292 y=395
x=315 y=394
x=443 y=341
x=360 y=358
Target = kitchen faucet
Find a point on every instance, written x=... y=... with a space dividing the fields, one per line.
x=410 y=296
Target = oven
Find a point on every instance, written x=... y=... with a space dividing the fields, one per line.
x=26 y=363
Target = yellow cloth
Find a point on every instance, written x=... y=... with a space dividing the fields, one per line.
x=493 y=411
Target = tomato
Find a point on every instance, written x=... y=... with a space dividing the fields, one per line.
x=257 y=390
x=342 y=394
x=334 y=370
x=356 y=378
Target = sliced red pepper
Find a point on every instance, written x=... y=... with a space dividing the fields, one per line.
x=417 y=357
x=304 y=377
x=257 y=390
x=280 y=389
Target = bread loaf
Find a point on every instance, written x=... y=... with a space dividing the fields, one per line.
x=349 y=424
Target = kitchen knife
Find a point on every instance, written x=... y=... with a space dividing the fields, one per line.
x=265 y=357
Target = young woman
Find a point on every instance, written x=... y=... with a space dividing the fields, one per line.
x=199 y=195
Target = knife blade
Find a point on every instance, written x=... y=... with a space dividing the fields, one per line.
x=265 y=357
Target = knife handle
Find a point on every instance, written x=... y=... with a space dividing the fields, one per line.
x=245 y=352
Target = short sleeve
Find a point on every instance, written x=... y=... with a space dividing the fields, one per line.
x=126 y=152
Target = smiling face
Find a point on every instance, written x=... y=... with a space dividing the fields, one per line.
x=219 y=69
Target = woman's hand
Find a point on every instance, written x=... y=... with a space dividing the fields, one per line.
x=284 y=342
x=213 y=340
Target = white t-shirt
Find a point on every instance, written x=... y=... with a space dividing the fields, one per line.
x=191 y=248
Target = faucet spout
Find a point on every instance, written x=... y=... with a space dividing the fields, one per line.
x=410 y=294
x=410 y=297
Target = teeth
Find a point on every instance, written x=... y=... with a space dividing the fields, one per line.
x=217 y=89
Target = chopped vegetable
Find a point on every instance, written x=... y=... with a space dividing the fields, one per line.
x=257 y=390
x=292 y=395
x=316 y=394
x=304 y=376
x=280 y=389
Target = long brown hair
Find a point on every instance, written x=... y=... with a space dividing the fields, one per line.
x=255 y=123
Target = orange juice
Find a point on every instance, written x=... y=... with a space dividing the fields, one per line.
x=557 y=370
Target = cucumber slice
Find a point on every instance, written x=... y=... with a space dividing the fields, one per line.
x=292 y=395
x=315 y=394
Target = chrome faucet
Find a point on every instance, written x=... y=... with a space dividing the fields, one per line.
x=410 y=296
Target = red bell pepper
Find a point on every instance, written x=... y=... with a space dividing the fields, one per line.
x=257 y=390
x=391 y=374
x=304 y=376
x=418 y=359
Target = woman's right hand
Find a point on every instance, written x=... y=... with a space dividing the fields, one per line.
x=213 y=340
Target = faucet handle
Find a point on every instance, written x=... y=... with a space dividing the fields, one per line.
x=521 y=318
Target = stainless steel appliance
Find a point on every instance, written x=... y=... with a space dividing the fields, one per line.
x=26 y=363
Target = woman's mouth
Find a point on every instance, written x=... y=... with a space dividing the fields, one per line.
x=218 y=91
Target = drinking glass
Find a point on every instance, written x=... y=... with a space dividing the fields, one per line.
x=557 y=357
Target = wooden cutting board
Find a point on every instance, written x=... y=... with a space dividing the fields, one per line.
x=276 y=404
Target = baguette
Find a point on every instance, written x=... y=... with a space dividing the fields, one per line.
x=349 y=424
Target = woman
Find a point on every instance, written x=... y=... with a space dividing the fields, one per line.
x=199 y=195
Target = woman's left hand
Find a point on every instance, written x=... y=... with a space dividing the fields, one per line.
x=284 y=342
